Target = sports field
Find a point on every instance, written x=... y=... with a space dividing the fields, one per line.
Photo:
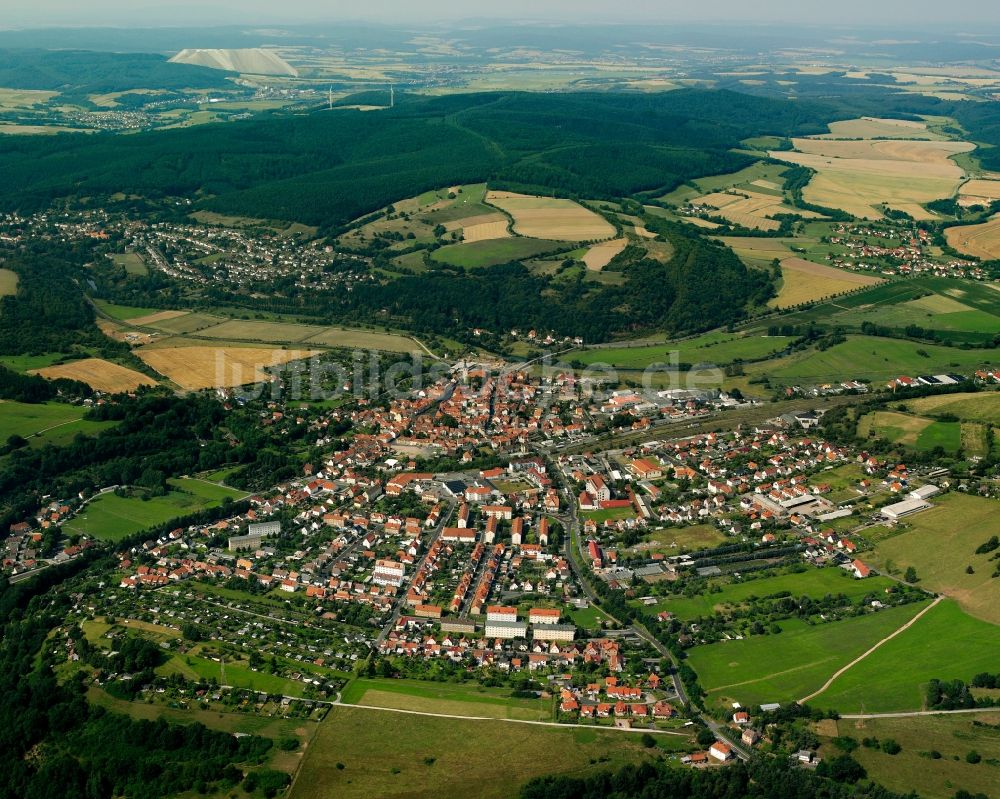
x=804 y=281
x=111 y=518
x=946 y=643
x=360 y=754
x=450 y=698
x=8 y=283
x=550 y=218
x=982 y=241
x=99 y=374
x=132 y=263
x=941 y=551
x=195 y=368
x=794 y=663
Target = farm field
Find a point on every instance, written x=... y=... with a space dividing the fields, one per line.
x=197 y=367
x=870 y=358
x=761 y=177
x=933 y=312
x=979 y=192
x=59 y=422
x=790 y=665
x=600 y=255
x=749 y=207
x=99 y=374
x=939 y=778
x=550 y=218
x=916 y=432
x=815 y=583
x=111 y=518
x=450 y=698
x=941 y=550
x=477 y=254
x=978 y=407
x=8 y=283
x=178 y=323
x=982 y=241
x=874 y=128
x=804 y=281
x=123 y=313
x=857 y=176
x=946 y=643
x=718 y=348
x=388 y=755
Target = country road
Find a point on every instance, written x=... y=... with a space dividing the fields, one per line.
x=913 y=713
x=861 y=657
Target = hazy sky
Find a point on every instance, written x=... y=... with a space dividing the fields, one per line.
x=975 y=14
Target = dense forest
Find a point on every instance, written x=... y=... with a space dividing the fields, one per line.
x=85 y=72
x=328 y=168
x=764 y=778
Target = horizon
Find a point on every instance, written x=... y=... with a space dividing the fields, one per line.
x=849 y=14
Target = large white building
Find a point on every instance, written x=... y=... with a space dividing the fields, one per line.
x=553 y=632
x=501 y=613
x=388 y=572
x=506 y=629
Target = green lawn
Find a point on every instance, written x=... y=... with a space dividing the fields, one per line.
x=441 y=697
x=133 y=263
x=983 y=406
x=946 y=643
x=692 y=537
x=610 y=514
x=401 y=756
x=478 y=254
x=941 y=544
x=871 y=358
x=788 y=666
x=25 y=363
x=112 y=518
x=713 y=348
x=815 y=583
x=123 y=312
x=194 y=667
x=60 y=422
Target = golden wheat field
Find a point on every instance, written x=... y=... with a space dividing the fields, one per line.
x=804 y=281
x=600 y=255
x=859 y=176
x=196 y=368
x=982 y=241
x=99 y=374
x=551 y=218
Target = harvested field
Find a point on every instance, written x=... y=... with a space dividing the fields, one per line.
x=858 y=176
x=195 y=368
x=153 y=318
x=982 y=241
x=186 y=323
x=550 y=218
x=99 y=374
x=979 y=192
x=871 y=128
x=364 y=339
x=270 y=332
x=600 y=255
x=484 y=231
x=750 y=209
x=804 y=281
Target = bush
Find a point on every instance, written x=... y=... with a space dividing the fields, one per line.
x=288 y=743
x=891 y=747
x=845 y=743
x=973 y=757
x=648 y=740
x=267 y=781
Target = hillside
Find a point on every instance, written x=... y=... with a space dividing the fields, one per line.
x=254 y=61
x=326 y=168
